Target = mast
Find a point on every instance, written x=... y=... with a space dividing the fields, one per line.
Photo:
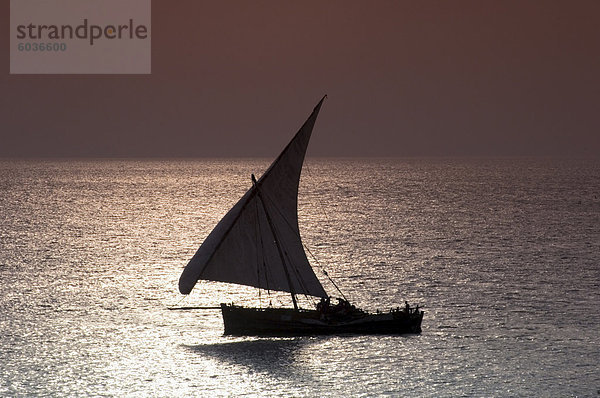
x=279 y=250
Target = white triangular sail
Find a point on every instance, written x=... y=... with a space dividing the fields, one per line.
x=258 y=243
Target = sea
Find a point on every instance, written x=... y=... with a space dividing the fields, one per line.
x=503 y=255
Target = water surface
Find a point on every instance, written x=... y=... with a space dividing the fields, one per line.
x=504 y=256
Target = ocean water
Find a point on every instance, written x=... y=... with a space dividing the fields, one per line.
x=503 y=255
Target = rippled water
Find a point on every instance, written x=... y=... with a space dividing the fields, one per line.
x=504 y=256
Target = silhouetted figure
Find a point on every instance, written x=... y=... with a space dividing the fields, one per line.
x=322 y=306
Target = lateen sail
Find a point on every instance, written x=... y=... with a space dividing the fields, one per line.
x=258 y=243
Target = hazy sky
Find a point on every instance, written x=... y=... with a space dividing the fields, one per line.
x=404 y=78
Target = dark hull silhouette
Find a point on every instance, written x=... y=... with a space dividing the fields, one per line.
x=243 y=321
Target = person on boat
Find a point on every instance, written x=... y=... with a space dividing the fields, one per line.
x=407 y=307
x=322 y=305
x=343 y=307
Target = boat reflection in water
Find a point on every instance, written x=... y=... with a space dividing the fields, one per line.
x=257 y=243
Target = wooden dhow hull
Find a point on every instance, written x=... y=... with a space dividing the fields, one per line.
x=242 y=321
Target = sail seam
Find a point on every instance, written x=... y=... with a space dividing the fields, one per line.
x=296 y=231
x=252 y=194
x=299 y=277
x=279 y=249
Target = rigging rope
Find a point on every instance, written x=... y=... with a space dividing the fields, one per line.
x=322 y=207
x=307 y=249
x=324 y=271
